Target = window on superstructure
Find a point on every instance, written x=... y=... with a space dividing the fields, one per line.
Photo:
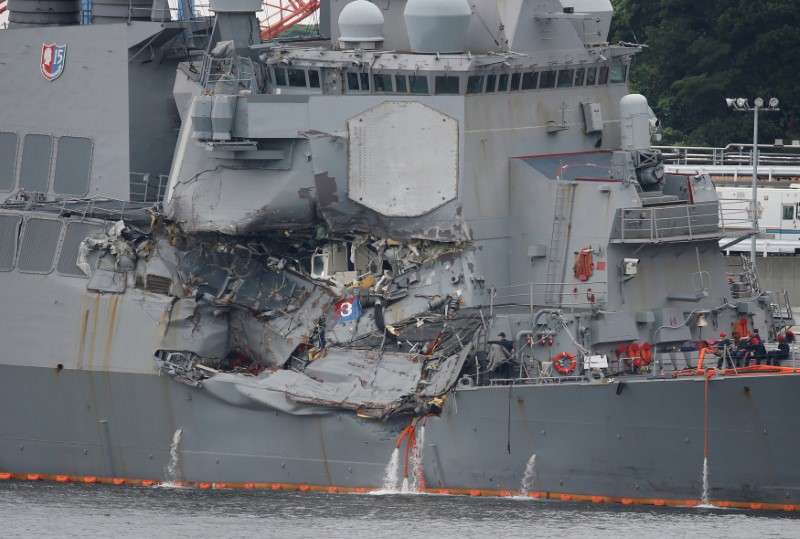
x=418 y=84
x=313 y=78
x=39 y=242
x=297 y=78
x=9 y=232
x=446 y=85
x=280 y=76
x=400 y=84
x=382 y=82
x=515 y=80
x=580 y=74
x=73 y=166
x=34 y=172
x=547 y=79
x=530 y=80
x=8 y=160
x=491 y=83
x=68 y=256
x=591 y=76
x=618 y=73
x=502 y=82
x=352 y=82
x=565 y=77
x=603 y=76
x=364 y=82
x=474 y=84
x=788 y=211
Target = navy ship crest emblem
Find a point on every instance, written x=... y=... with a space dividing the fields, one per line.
x=52 y=62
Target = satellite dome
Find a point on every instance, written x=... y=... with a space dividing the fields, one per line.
x=437 y=25
x=361 y=25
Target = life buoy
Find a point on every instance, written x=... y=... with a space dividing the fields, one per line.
x=646 y=351
x=565 y=362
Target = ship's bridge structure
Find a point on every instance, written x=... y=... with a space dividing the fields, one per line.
x=403 y=124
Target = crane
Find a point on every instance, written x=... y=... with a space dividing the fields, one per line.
x=283 y=14
x=279 y=15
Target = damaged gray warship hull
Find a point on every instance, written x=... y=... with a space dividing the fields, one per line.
x=295 y=265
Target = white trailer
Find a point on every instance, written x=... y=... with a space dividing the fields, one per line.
x=778 y=218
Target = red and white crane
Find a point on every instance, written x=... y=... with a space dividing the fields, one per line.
x=281 y=15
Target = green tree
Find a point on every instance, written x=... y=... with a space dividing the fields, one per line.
x=698 y=53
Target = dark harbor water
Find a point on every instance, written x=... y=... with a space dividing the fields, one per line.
x=51 y=510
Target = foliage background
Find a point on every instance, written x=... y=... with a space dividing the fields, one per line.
x=698 y=52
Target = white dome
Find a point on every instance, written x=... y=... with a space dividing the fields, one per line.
x=361 y=21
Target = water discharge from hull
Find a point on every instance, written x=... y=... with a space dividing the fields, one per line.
x=529 y=477
x=391 y=475
x=704 y=499
x=412 y=480
x=173 y=467
x=416 y=482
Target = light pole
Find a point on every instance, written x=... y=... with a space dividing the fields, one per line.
x=741 y=104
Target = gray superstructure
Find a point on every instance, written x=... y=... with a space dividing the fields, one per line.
x=227 y=261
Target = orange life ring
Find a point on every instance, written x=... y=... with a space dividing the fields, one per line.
x=646 y=351
x=562 y=366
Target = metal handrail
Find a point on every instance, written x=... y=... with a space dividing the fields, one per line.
x=534 y=293
x=145 y=187
x=732 y=154
x=734 y=214
x=237 y=72
x=665 y=223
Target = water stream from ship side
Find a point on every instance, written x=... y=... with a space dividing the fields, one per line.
x=412 y=481
x=173 y=470
x=704 y=499
x=416 y=481
x=391 y=475
x=529 y=477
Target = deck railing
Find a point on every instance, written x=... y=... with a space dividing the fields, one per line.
x=667 y=223
x=732 y=154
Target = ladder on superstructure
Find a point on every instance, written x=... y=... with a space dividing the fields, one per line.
x=781 y=311
x=750 y=275
x=782 y=315
x=558 y=244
